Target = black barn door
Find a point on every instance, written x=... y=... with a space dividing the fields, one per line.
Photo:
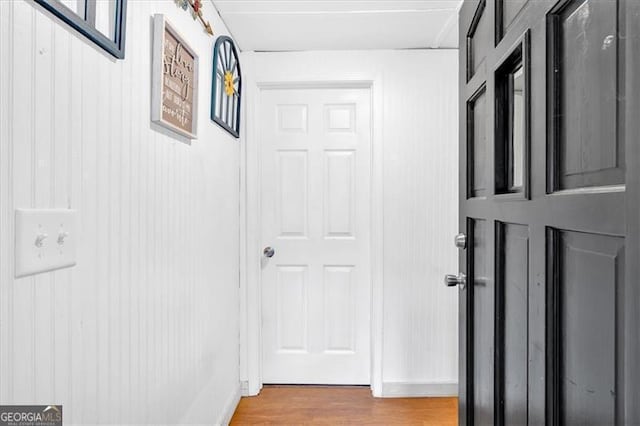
x=549 y=209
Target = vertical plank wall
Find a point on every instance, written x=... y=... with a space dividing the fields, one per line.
x=419 y=104
x=144 y=330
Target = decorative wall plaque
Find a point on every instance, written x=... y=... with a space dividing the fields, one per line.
x=174 y=93
x=226 y=87
x=196 y=12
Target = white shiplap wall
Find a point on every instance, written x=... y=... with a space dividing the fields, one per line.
x=419 y=105
x=144 y=330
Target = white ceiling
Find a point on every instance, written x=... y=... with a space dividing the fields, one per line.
x=268 y=25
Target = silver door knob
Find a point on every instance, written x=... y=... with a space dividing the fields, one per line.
x=268 y=252
x=456 y=280
x=460 y=241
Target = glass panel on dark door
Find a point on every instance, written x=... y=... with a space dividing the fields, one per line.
x=516 y=154
x=512 y=145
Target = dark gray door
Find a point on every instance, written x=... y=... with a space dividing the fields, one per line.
x=549 y=205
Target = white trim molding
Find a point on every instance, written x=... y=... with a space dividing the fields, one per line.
x=230 y=407
x=409 y=389
x=201 y=406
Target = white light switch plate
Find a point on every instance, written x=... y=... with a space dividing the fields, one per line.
x=45 y=240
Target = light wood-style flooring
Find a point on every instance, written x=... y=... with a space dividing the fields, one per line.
x=341 y=405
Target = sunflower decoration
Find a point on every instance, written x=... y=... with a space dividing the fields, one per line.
x=229 y=86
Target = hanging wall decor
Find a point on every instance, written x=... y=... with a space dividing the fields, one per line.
x=174 y=92
x=102 y=23
x=226 y=87
x=196 y=11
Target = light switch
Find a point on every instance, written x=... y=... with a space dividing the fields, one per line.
x=45 y=240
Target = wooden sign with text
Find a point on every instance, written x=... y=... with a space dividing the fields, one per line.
x=174 y=81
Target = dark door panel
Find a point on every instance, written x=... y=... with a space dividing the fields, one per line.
x=550 y=200
x=482 y=294
x=477 y=146
x=478 y=38
x=512 y=329
x=506 y=11
x=586 y=319
x=585 y=66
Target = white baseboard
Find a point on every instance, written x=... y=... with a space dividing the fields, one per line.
x=409 y=389
x=230 y=407
x=245 y=389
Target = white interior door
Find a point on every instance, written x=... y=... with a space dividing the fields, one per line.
x=315 y=206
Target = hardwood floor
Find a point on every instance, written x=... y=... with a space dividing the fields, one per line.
x=341 y=405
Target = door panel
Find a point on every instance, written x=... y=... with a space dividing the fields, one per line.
x=292 y=302
x=550 y=310
x=339 y=193
x=315 y=202
x=477 y=145
x=588 y=289
x=512 y=328
x=339 y=302
x=506 y=12
x=478 y=38
x=482 y=294
x=585 y=69
x=293 y=213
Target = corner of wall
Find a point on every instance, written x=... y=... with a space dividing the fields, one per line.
x=201 y=407
x=230 y=407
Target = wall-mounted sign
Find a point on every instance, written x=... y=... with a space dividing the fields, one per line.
x=174 y=93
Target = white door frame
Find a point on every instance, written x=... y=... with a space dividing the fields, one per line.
x=251 y=250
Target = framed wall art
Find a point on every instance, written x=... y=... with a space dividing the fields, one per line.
x=226 y=86
x=174 y=92
x=103 y=23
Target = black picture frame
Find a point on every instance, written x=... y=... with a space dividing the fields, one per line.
x=85 y=25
